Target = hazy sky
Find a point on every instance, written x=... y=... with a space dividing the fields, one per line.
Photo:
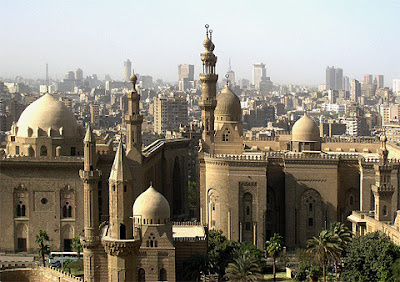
x=296 y=40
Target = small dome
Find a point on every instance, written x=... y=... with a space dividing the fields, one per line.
x=47 y=113
x=152 y=206
x=228 y=106
x=207 y=43
x=305 y=129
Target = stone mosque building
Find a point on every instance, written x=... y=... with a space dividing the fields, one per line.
x=57 y=177
x=294 y=184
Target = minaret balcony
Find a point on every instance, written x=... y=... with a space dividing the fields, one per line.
x=133 y=118
x=86 y=174
x=208 y=103
x=383 y=189
x=208 y=77
x=119 y=247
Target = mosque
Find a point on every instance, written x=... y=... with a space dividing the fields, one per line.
x=294 y=184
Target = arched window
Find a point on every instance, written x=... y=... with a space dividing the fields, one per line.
x=351 y=200
x=163 y=275
x=23 y=210
x=141 y=275
x=18 y=210
x=64 y=211
x=310 y=207
x=43 y=151
x=155 y=244
x=385 y=212
x=69 y=211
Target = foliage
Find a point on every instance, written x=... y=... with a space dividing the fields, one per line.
x=326 y=248
x=76 y=246
x=370 y=258
x=244 y=267
x=343 y=234
x=192 y=194
x=395 y=268
x=307 y=268
x=194 y=267
x=43 y=248
x=274 y=247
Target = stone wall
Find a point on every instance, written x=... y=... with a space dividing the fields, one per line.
x=37 y=274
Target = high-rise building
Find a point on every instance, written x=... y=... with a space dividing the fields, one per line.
x=127 y=69
x=186 y=71
x=259 y=72
x=70 y=75
x=78 y=74
x=379 y=81
x=95 y=114
x=169 y=113
x=330 y=77
x=346 y=83
x=368 y=79
x=355 y=90
x=338 y=79
x=334 y=78
x=230 y=75
x=396 y=85
x=186 y=77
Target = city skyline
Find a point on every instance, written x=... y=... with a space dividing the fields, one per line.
x=296 y=44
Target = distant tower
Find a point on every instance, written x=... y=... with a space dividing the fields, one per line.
x=127 y=69
x=259 y=73
x=208 y=79
x=231 y=75
x=90 y=175
x=383 y=189
x=134 y=123
x=78 y=74
x=119 y=242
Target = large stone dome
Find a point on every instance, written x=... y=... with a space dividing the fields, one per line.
x=152 y=207
x=305 y=130
x=47 y=113
x=228 y=106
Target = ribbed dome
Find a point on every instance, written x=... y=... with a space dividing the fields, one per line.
x=152 y=206
x=47 y=112
x=228 y=106
x=305 y=129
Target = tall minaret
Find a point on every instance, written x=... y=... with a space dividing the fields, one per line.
x=134 y=123
x=208 y=100
x=90 y=176
x=120 y=244
x=383 y=189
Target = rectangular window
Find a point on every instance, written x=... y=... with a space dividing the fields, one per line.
x=12 y=138
x=248 y=226
x=67 y=245
x=21 y=244
x=73 y=151
x=310 y=222
x=17 y=150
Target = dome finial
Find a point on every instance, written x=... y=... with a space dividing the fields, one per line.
x=207 y=26
x=151 y=183
x=227 y=80
x=133 y=81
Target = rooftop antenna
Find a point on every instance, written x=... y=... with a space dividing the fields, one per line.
x=207 y=26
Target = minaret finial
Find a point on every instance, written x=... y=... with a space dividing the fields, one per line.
x=211 y=31
x=133 y=81
x=207 y=26
x=151 y=183
x=227 y=79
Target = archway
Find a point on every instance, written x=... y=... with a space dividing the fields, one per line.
x=43 y=150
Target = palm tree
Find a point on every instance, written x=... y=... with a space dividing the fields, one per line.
x=274 y=248
x=243 y=268
x=344 y=236
x=76 y=246
x=43 y=248
x=325 y=248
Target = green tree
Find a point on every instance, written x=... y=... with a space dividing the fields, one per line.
x=274 y=247
x=194 y=266
x=243 y=268
x=370 y=258
x=76 y=246
x=326 y=248
x=344 y=236
x=43 y=248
